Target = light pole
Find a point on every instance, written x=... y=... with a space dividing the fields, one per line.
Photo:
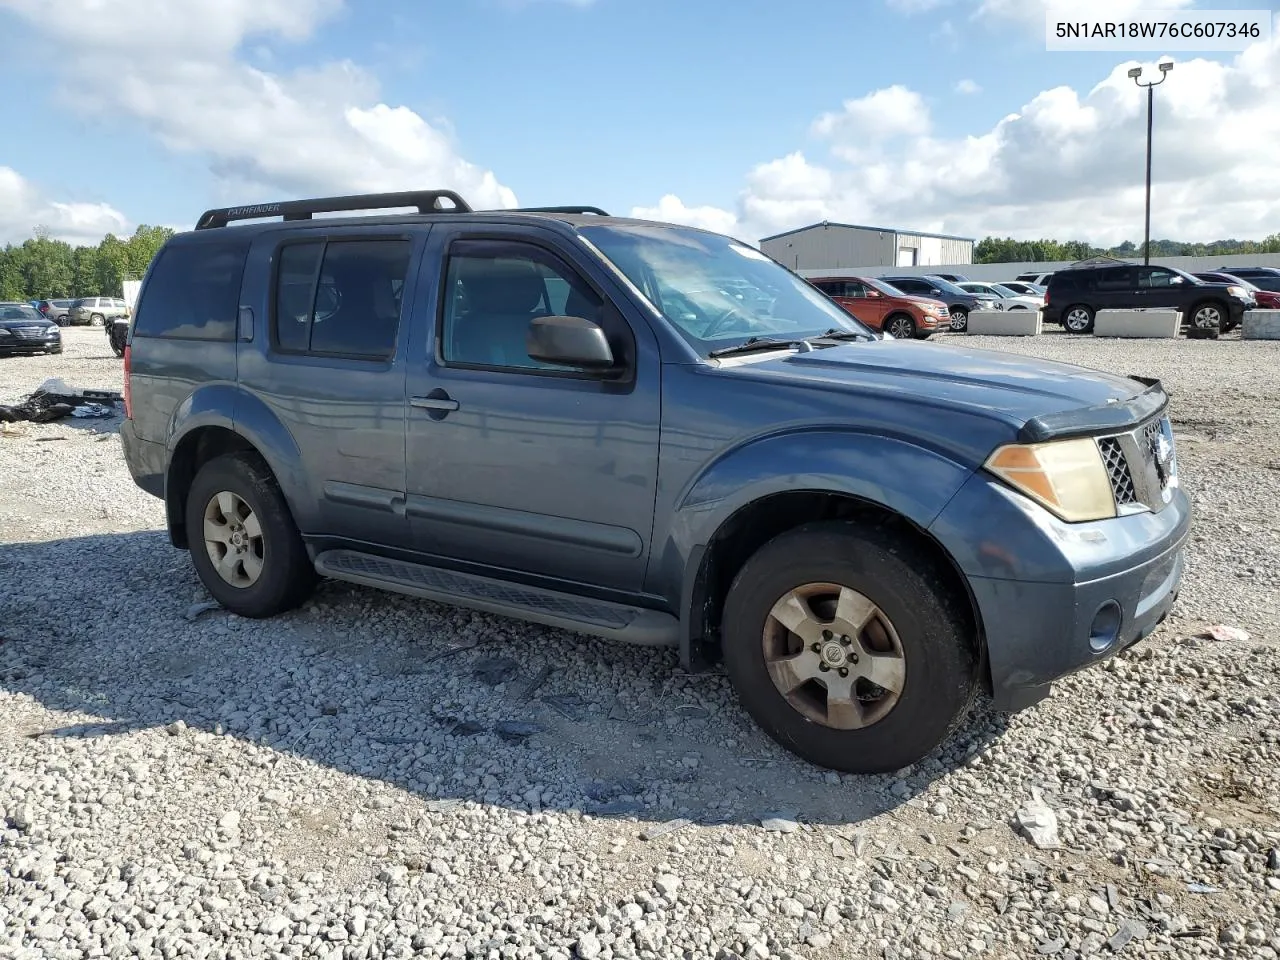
x=1136 y=73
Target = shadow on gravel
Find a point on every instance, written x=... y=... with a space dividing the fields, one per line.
x=442 y=702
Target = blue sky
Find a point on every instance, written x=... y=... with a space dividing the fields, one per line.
x=716 y=106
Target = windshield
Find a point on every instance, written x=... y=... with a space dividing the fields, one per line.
x=946 y=286
x=714 y=290
x=19 y=312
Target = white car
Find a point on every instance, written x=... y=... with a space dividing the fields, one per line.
x=1005 y=298
x=1025 y=289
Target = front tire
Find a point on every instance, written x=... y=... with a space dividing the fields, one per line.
x=846 y=649
x=959 y=319
x=244 y=544
x=1208 y=316
x=900 y=327
x=1078 y=319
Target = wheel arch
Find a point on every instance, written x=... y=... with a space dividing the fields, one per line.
x=715 y=564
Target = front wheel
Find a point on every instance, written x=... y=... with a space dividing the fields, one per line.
x=1078 y=319
x=900 y=327
x=243 y=541
x=846 y=649
x=959 y=319
x=1208 y=316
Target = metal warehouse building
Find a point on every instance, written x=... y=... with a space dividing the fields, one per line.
x=833 y=246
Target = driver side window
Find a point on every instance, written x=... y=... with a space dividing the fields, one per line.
x=494 y=290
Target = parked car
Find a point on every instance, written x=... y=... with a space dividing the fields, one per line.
x=96 y=311
x=558 y=416
x=1266 y=299
x=1039 y=279
x=56 y=310
x=882 y=307
x=1075 y=295
x=1005 y=298
x=1265 y=278
x=23 y=330
x=1023 y=288
x=959 y=302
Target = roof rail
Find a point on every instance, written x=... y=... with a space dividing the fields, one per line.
x=569 y=209
x=427 y=201
x=1101 y=261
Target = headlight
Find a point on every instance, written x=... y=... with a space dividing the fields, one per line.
x=1066 y=477
x=1240 y=292
x=5 y=333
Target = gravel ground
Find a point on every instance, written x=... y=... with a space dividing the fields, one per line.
x=380 y=777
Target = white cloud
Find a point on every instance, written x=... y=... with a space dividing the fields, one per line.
x=967 y=87
x=1068 y=164
x=671 y=209
x=262 y=133
x=916 y=6
x=23 y=209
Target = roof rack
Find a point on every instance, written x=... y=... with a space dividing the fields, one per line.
x=1102 y=261
x=569 y=209
x=427 y=201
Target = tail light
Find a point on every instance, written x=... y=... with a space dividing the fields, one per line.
x=128 y=394
x=1046 y=296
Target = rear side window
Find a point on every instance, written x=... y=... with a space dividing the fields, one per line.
x=1114 y=278
x=193 y=292
x=340 y=297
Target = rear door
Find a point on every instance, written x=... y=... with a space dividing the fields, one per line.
x=1113 y=288
x=331 y=368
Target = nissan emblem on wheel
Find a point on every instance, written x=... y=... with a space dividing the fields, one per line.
x=658 y=435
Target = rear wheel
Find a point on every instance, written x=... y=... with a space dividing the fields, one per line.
x=243 y=541
x=900 y=326
x=1078 y=319
x=96 y=319
x=845 y=648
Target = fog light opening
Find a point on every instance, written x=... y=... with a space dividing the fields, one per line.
x=1105 y=629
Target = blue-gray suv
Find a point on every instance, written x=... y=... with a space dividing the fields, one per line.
x=650 y=433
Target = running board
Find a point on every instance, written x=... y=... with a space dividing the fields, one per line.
x=614 y=621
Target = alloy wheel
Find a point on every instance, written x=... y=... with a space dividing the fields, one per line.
x=834 y=655
x=1207 y=316
x=233 y=539
x=902 y=329
x=1078 y=320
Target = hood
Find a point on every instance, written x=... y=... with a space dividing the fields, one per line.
x=1013 y=388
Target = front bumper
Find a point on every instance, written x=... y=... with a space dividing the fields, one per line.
x=1042 y=587
x=13 y=344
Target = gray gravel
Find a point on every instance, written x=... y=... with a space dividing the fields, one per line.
x=379 y=777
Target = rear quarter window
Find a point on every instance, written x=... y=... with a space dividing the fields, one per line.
x=193 y=292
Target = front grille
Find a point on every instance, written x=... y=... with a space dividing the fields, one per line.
x=1141 y=465
x=29 y=333
x=1118 y=471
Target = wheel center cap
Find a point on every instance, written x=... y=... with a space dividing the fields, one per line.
x=237 y=539
x=833 y=654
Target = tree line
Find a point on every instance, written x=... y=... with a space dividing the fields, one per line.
x=1009 y=250
x=44 y=268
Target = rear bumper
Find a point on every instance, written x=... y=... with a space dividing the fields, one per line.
x=1055 y=598
x=145 y=459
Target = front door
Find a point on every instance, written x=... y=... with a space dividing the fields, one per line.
x=1160 y=287
x=517 y=464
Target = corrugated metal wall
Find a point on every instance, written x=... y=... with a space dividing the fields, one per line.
x=835 y=246
x=828 y=247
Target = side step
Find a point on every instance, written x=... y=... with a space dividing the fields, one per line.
x=615 y=621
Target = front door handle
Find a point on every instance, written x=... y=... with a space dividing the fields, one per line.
x=434 y=403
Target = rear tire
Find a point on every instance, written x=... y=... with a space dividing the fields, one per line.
x=921 y=622
x=270 y=541
x=96 y=320
x=1078 y=319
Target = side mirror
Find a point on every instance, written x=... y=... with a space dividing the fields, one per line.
x=570 y=342
x=936 y=292
x=873 y=294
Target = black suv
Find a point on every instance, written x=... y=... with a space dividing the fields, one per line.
x=1077 y=293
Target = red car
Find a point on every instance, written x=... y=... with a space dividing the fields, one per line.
x=882 y=307
x=1267 y=299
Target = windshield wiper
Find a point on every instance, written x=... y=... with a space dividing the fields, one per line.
x=837 y=334
x=753 y=344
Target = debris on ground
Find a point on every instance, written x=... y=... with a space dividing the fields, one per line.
x=55 y=399
x=197 y=610
x=1038 y=822
x=1226 y=634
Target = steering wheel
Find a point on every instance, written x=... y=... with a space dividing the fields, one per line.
x=715 y=325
